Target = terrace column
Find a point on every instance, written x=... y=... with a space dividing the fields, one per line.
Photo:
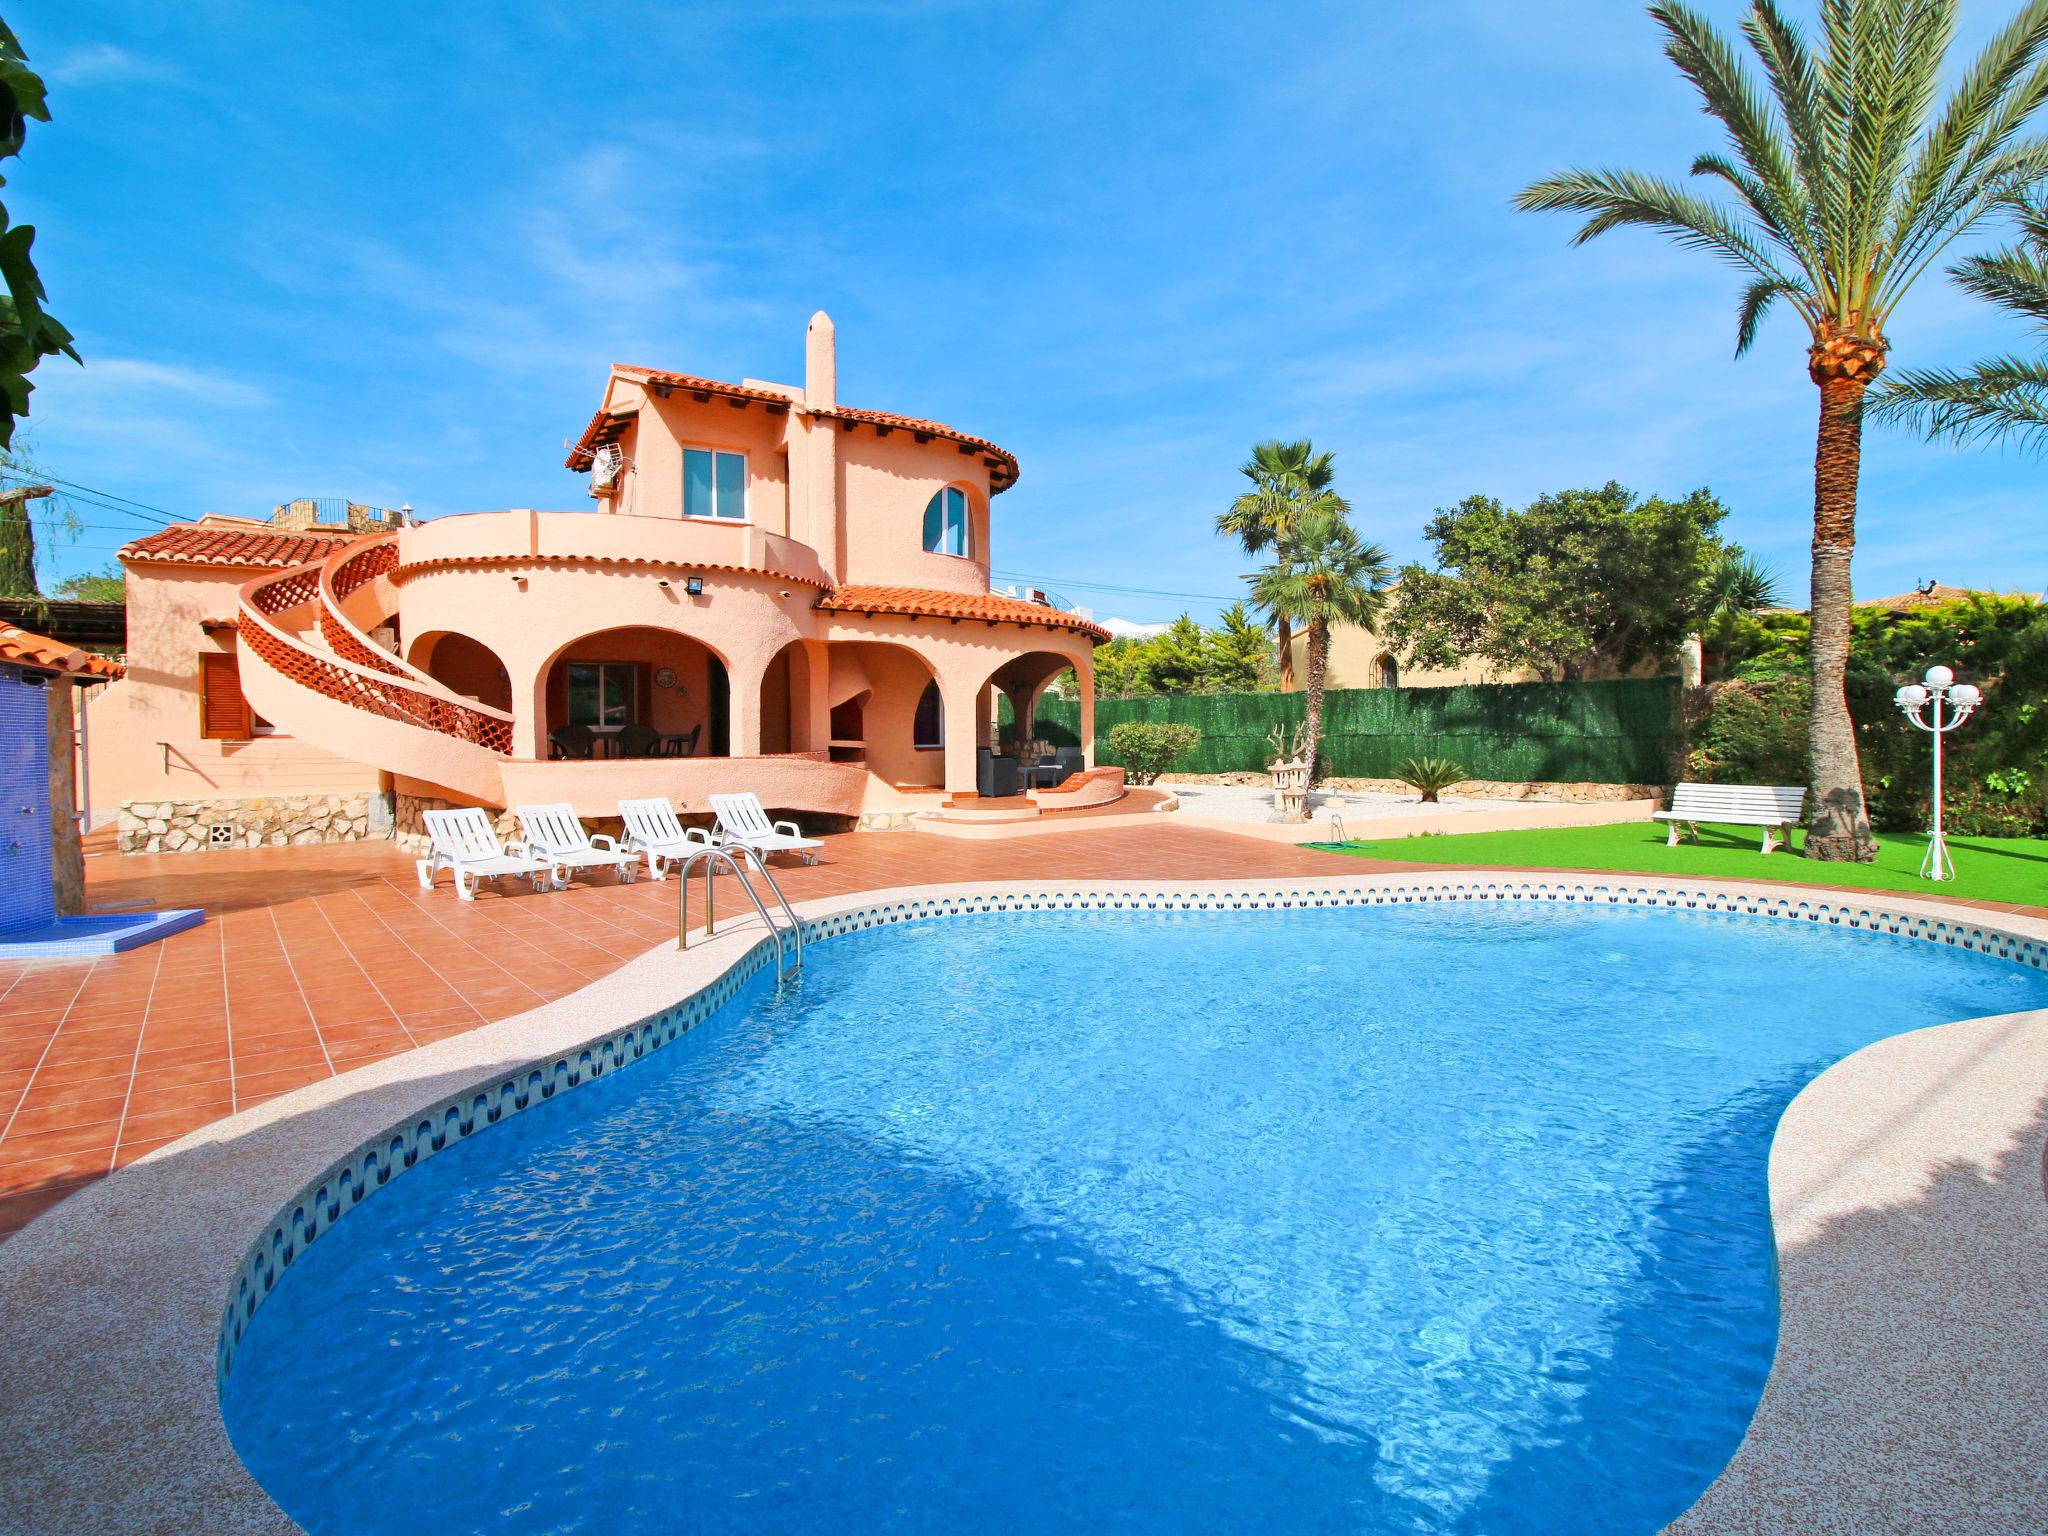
x=529 y=679
x=744 y=707
x=961 y=700
x=1084 y=675
x=811 y=708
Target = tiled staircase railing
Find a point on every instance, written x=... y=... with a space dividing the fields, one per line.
x=359 y=684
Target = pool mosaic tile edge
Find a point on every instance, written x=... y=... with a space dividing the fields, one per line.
x=375 y=1162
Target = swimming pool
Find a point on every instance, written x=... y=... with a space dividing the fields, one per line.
x=1375 y=1219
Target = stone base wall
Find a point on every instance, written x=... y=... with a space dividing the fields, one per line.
x=271 y=821
x=1471 y=789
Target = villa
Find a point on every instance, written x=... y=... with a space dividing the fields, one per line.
x=774 y=592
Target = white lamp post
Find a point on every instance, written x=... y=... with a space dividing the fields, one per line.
x=1938 y=705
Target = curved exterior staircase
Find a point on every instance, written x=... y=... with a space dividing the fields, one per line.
x=310 y=669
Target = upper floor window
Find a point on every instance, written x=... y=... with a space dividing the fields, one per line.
x=945 y=523
x=714 y=484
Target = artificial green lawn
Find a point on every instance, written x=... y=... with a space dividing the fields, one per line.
x=1987 y=868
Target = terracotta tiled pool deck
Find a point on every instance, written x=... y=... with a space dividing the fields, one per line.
x=315 y=960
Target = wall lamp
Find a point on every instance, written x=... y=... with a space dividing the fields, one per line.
x=694 y=585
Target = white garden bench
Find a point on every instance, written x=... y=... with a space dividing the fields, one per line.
x=553 y=832
x=653 y=829
x=1774 y=807
x=464 y=843
x=742 y=820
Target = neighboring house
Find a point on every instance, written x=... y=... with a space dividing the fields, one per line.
x=790 y=594
x=1361 y=659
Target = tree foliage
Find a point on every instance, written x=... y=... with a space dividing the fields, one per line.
x=1998 y=397
x=1234 y=657
x=1753 y=729
x=1289 y=482
x=1323 y=574
x=109 y=586
x=27 y=333
x=1578 y=584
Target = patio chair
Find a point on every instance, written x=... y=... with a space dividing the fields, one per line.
x=742 y=820
x=554 y=832
x=683 y=744
x=652 y=829
x=1062 y=765
x=996 y=778
x=464 y=844
x=637 y=740
x=571 y=741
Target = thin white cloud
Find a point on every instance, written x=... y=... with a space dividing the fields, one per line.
x=104 y=63
x=136 y=378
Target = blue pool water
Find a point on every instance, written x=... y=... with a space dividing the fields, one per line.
x=1425 y=1219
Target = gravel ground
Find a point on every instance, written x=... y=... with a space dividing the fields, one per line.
x=1249 y=802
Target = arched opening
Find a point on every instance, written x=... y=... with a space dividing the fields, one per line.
x=638 y=692
x=878 y=695
x=791 y=694
x=1387 y=672
x=464 y=666
x=1046 y=751
x=1019 y=684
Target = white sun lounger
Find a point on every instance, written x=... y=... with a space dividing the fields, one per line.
x=554 y=832
x=742 y=820
x=653 y=830
x=465 y=844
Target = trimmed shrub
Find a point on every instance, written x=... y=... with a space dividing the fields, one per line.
x=1145 y=750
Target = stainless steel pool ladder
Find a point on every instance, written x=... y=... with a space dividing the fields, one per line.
x=733 y=855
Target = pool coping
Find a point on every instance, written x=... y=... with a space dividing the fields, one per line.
x=109 y=1413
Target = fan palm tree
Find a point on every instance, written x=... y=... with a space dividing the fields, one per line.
x=2000 y=397
x=1849 y=180
x=1739 y=586
x=1287 y=479
x=1324 y=574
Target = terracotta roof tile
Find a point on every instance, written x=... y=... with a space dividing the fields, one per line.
x=249 y=546
x=926 y=602
x=27 y=649
x=607 y=424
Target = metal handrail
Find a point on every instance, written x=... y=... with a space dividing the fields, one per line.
x=711 y=855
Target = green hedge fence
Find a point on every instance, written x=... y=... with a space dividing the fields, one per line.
x=1574 y=733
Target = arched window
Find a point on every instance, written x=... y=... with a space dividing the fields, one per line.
x=1390 y=674
x=945 y=523
x=928 y=728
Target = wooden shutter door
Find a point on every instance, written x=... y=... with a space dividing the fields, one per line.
x=223 y=712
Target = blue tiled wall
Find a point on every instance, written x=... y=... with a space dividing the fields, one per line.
x=26 y=898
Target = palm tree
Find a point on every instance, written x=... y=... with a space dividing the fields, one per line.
x=1848 y=183
x=1287 y=480
x=1324 y=574
x=1738 y=586
x=1999 y=397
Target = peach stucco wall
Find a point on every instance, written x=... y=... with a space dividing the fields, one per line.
x=887 y=483
x=143 y=733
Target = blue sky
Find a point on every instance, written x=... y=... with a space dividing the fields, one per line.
x=388 y=251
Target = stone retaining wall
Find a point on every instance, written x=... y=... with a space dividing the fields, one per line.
x=270 y=821
x=1470 y=789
